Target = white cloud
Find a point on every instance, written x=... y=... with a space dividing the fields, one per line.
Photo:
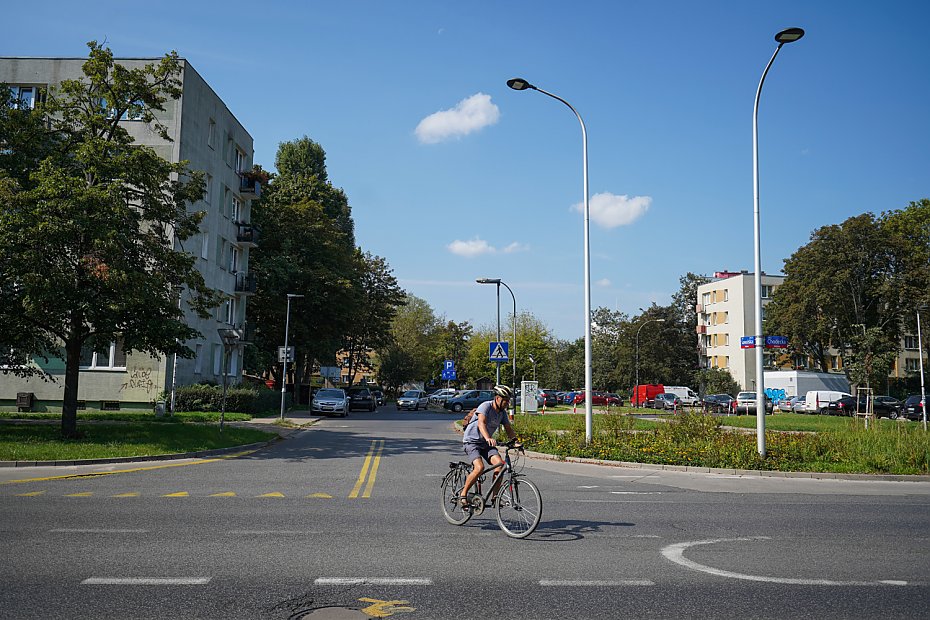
x=603 y=283
x=477 y=247
x=468 y=115
x=609 y=210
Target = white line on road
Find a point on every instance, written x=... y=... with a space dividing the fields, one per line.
x=274 y=533
x=675 y=553
x=637 y=492
x=595 y=584
x=146 y=581
x=67 y=530
x=372 y=581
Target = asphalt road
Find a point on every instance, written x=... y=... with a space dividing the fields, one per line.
x=304 y=529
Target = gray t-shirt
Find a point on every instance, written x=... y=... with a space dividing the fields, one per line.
x=492 y=421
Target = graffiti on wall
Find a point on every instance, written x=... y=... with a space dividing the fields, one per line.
x=139 y=379
x=775 y=394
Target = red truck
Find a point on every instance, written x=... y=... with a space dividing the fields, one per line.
x=644 y=395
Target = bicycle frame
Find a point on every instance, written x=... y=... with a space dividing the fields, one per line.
x=505 y=468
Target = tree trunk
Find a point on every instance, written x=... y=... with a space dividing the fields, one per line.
x=72 y=375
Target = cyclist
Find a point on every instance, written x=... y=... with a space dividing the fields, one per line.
x=478 y=440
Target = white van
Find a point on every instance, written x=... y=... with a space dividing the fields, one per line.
x=686 y=394
x=817 y=400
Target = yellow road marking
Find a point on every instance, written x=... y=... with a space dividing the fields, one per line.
x=84 y=494
x=33 y=494
x=321 y=495
x=374 y=471
x=226 y=494
x=128 y=471
x=274 y=494
x=364 y=473
x=178 y=494
x=133 y=494
x=383 y=609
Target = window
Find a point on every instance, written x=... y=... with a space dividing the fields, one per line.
x=229 y=311
x=220 y=252
x=217 y=358
x=233 y=362
x=726 y=294
x=726 y=338
x=205 y=246
x=726 y=317
x=233 y=259
x=236 y=209
x=132 y=113
x=800 y=361
x=211 y=134
x=767 y=291
x=208 y=194
x=240 y=160
x=24 y=97
x=345 y=378
x=705 y=299
x=834 y=362
x=198 y=359
x=107 y=357
x=912 y=364
x=227 y=199
x=910 y=343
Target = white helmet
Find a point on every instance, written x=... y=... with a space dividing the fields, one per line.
x=503 y=391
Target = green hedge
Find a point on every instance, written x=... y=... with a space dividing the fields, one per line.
x=249 y=400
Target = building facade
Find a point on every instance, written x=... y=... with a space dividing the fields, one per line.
x=205 y=133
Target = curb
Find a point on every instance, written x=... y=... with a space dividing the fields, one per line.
x=283 y=434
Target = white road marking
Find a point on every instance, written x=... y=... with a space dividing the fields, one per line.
x=372 y=581
x=146 y=581
x=588 y=486
x=675 y=553
x=274 y=532
x=594 y=584
x=636 y=492
x=66 y=530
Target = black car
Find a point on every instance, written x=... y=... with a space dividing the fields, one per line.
x=882 y=406
x=718 y=403
x=551 y=397
x=379 y=397
x=361 y=398
x=912 y=409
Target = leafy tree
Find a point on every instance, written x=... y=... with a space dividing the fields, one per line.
x=90 y=220
x=715 y=381
x=377 y=298
x=413 y=336
x=610 y=361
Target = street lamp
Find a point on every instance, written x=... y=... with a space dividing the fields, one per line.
x=521 y=84
x=920 y=349
x=174 y=365
x=513 y=355
x=636 y=389
x=287 y=325
x=785 y=36
x=533 y=362
x=230 y=338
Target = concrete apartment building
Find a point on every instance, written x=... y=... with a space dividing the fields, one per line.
x=726 y=312
x=207 y=134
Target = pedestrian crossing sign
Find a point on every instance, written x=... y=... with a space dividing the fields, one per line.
x=498 y=351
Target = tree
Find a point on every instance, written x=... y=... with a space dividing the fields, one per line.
x=90 y=221
x=715 y=381
x=411 y=351
x=377 y=298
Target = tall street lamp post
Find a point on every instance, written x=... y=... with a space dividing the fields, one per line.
x=287 y=326
x=920 y=349
x=521 y=84
x=533 y=362
x=513 y=354
x=785 y=36
x=636 y=389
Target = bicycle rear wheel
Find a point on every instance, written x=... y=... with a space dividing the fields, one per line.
x=519 y=507
x=449 y=494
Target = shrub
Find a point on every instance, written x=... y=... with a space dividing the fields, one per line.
x=248 y=400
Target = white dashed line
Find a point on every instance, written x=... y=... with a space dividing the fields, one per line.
x=146 y=581
x=675 y=553
x=595 y=584
x=372 y=581
x=274 y=533
x=66 y=530
x=636 y=492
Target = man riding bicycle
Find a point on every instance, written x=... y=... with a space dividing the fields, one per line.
x=478 y=440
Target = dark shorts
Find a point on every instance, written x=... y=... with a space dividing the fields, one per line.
x=479 y=450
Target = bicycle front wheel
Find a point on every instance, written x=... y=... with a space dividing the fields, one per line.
x=449 y=494
x=519 y=507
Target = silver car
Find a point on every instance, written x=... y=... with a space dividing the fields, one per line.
x=413 y=399
x=331 y=401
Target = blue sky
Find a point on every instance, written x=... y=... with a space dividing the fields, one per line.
x=452 y=176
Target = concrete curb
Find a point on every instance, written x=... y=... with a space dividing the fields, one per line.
x=283 y=433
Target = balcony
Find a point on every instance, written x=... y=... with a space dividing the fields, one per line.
x=248 y=235
x=247 y=330
x=246 y=283
x=701 y=329
x=250 y=188
x=699 y=308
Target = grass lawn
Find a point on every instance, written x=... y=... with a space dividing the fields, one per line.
x=839 y=445
x=132 y=416
x=43 y=442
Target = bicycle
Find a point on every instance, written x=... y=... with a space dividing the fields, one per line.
x=518 y=502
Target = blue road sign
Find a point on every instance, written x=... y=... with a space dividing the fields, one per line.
x=776 y=342
x=448 y=375
x=448 y=365
x=747 y=342
x=498 y=351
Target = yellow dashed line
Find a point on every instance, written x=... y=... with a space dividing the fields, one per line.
x=84 y=494
x=320 y=496
x=127 y=495
x=178 y=494
x=33 y=494
x=274 y=494
x=226 y=494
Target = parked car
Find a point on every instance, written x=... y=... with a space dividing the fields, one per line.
x=745 y=403
x=685 y=394
x=882 y=406
x=550 y=396
x=667 y=400
x=413 y=399
x=361 y=398
x=568 y=397
x=912 y=409
x=787 y=404
x=379 y=397
x=799 y=406
x=817 y=401
x=330 y=401
x=468 y=399
x=614 y=399
x=442 y=395
x=718 y=403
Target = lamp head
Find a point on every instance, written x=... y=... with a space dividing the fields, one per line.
x=660 y=320
x=488 y=280
x=293 y=296
x=519 y=84
x=789 y=35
